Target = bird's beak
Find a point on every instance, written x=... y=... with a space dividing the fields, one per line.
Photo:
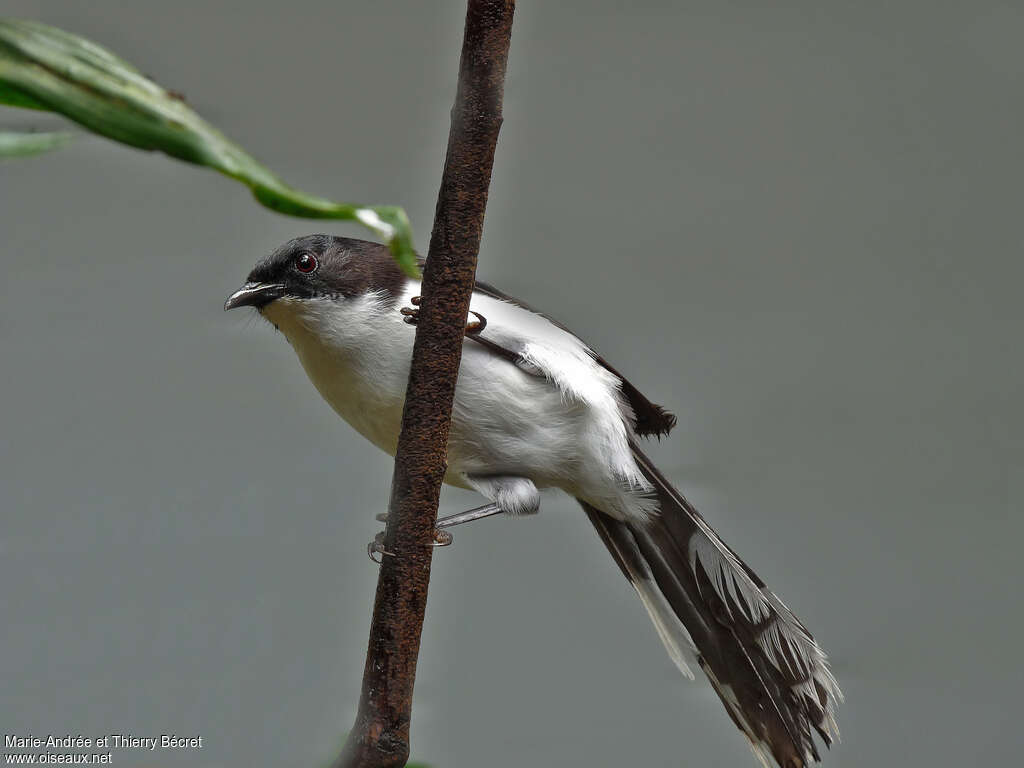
x=254 y=295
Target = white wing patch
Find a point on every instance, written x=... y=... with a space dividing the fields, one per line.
x=546 y=350
x=549 y=351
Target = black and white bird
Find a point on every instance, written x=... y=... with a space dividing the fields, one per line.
x=536 y=408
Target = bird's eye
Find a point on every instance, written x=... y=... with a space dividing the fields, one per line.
x=306 y=263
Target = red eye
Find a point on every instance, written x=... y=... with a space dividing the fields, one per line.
x=306 y=263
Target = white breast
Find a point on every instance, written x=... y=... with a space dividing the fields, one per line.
x=357 y=358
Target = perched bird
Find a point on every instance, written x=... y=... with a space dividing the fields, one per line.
x=536 y=408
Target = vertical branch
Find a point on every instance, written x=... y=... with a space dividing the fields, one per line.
x=380 y=736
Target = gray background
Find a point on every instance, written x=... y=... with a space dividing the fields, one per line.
x=798 y=227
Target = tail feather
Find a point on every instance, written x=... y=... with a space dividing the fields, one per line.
x=624 y=549
x=710 y=608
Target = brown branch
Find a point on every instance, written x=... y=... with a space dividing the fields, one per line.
x=380 y=736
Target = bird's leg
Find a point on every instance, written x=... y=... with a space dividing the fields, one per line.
x=442 y=538
x=510 y=494
x=450 y=521
x=477 y=513
x=412 y=317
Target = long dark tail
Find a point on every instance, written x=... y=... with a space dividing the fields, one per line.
x=710 y=609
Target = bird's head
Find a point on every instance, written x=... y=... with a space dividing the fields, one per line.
x=315 y=268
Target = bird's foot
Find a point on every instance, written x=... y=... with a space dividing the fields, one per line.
x=375 y=549
x=411 y=315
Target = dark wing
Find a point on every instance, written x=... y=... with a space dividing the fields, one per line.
x=650 y=419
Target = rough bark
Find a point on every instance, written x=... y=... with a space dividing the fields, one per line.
x=380 y=736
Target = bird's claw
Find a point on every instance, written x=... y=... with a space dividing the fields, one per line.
x=441 y=538
x=375 y=549
x=411 y=315
x=476 y=327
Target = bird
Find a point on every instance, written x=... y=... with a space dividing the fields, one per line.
x=535 y=407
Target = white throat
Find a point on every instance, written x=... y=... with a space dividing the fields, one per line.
x=356 y=352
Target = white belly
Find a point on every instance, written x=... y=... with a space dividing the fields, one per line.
x=505 y=421
x=494 y=429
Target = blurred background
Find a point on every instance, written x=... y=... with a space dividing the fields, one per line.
x=798 y=227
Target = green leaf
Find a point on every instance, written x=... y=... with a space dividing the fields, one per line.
x=16 y=98
x=42 y=67
x=24 y=144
